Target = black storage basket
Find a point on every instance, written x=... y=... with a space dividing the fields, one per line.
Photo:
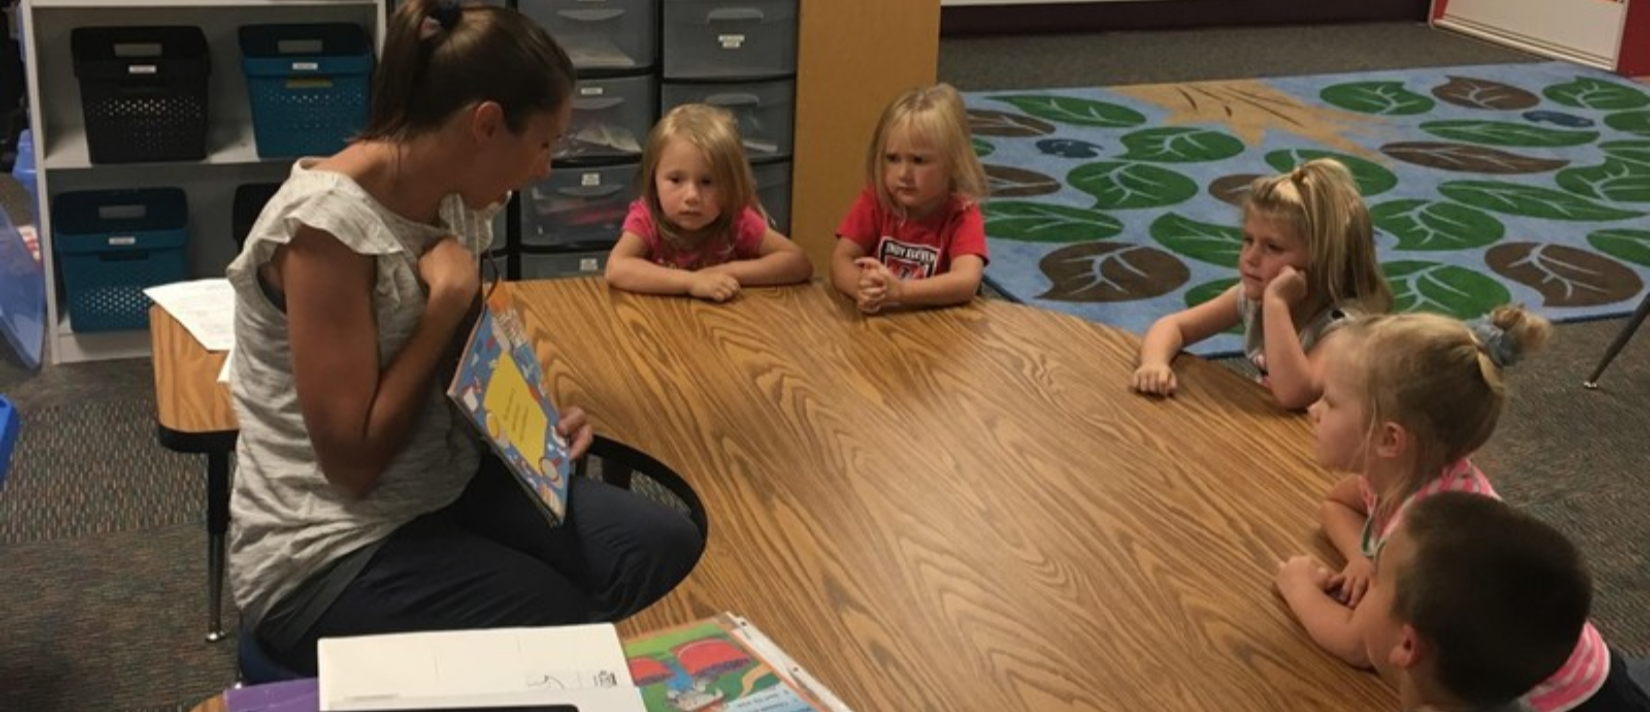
x=143 y=92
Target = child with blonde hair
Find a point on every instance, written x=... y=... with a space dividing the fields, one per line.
x=1406 y=399
x=697 y=228
x=1306 y=263
x=915 y=236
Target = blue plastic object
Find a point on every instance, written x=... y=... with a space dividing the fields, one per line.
x=23 y=171
x=9 y=424
x=309 y=85
x=22 y=295
x=111 y=244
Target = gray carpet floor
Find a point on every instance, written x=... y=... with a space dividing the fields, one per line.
x=102 y=546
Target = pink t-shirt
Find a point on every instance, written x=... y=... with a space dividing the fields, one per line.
x=915 y=249
x=745 y=243
x=1589 y=664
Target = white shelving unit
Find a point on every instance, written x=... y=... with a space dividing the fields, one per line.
x=232 y=159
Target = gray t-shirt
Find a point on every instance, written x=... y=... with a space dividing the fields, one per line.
x=287 y=522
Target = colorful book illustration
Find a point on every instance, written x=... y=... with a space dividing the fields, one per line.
x=500 y=387
x=722 y=664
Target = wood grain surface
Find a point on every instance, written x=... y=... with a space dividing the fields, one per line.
x=188 y=398
x=963 y=509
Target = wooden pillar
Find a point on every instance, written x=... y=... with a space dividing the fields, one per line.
x=853 y=57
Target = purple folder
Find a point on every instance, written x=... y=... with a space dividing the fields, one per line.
x=290 y=696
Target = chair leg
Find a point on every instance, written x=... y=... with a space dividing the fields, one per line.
x=217 y=525
x=1620 y=342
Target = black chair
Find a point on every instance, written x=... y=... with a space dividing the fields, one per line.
x=1622 y=338
x=620 y=462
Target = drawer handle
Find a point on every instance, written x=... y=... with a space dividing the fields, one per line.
x=597 y=103
x=733 y=99
x=734 y=14
x=591 y=15
x=591 y=191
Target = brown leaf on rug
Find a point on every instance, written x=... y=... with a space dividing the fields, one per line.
x=1565 y=276
x=1111 y=272
x=1011 y=182
x=1468 y=158
x=1233 y=189
x=1000 y=123
x=1484 y=94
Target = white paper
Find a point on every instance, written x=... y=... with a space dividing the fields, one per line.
x=582 y=666
x=205 y=307
x=223 y=373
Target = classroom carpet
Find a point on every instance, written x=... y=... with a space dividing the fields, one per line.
x=1488 y=184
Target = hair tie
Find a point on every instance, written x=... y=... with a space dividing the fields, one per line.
x=444 y=16
x=1298 y=175
x=1494 y=341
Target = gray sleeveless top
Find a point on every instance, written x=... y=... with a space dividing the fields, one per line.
x=1254 y=331
x=286 y=521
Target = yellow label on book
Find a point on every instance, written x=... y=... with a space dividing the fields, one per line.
x=518 y=415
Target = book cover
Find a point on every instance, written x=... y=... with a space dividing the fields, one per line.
x=723 y=664
x=499 y=386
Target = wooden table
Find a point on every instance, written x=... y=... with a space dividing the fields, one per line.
x=194 y=415
x=963 y=509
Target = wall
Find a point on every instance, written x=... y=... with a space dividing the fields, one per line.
x=1005 y=17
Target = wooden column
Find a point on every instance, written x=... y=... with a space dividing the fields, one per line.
x=853 y=57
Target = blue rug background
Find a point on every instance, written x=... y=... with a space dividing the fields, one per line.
x=1533 y=190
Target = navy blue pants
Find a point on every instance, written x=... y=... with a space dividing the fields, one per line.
x=491 y=560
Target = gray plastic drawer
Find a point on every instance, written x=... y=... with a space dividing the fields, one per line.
x=600 y=34
x=765 y=111
x=577 y=206
x=569 y=264
x=773 y=188
x=721 y=39
x=611 y=117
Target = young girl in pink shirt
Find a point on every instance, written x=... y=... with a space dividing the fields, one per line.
x=697 y=229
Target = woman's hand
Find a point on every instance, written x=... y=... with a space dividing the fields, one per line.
x=575 y=427
x=450 y=272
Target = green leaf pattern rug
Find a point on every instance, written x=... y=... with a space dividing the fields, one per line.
x=1488 y=184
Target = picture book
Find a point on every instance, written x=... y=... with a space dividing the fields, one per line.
x=499 y=386
x=722 y=664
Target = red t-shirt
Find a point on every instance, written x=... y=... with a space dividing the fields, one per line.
x=745 y=242
x=915 y=249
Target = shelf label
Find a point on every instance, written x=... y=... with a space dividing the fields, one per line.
x=592 y=91
x=140 y=69
x=122 y=241
x=588 y=264
x=590 y=179
x=306 y=66
x=731 y=41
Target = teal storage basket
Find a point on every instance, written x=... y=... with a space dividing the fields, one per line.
x=111 y=244
x=309 y=85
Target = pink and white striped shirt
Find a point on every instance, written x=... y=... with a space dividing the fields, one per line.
x=1589 y=664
